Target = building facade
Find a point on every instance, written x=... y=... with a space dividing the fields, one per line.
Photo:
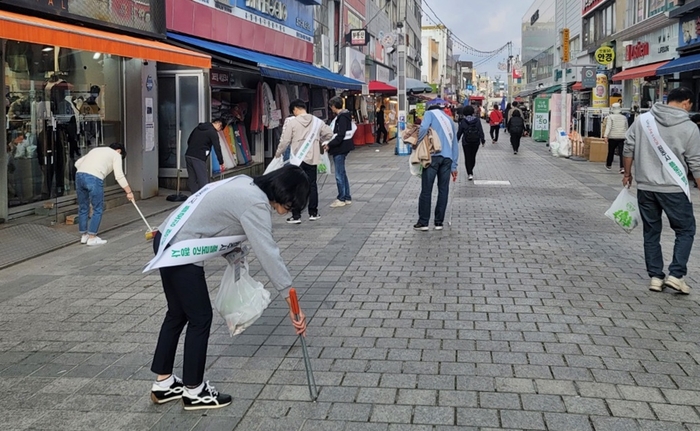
x=539 y=37
x=440 y=67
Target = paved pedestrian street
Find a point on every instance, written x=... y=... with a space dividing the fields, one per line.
x=531 y=311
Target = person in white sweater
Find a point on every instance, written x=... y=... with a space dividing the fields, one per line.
x=92 y=169
x=615 y=129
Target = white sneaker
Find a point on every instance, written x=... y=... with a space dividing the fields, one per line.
x=677 y=284
x=314 y=217
x=96 y=241
x=470 y=177
x=337 y=204
x=656 y=284
x=84 y=238
x=348 y=202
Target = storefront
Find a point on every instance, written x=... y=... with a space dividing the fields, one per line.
x=250 y=84
x=641 y=59
x=70 y=88
x=687 y=64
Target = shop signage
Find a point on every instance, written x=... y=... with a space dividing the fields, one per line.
x=638 y=50
x=535 y=16
x=273 y=8
x=540 y=124
x=604 y=55
x=357 y=37
x=222 y=78
x=354 y=64
x=383 y=74
x=140 y=16
x=588 y=77
x=590 y=5
x=689 y=32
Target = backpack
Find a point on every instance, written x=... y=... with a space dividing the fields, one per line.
x=516 y=125
x=471 y=133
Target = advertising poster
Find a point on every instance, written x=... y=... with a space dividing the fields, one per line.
x=540 y=126
x=556 y=121
x=600 y=92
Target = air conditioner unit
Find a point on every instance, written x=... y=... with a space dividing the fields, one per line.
x=336 y=66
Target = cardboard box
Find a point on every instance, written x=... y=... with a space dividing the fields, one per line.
x=70 y=219
x=598 y=150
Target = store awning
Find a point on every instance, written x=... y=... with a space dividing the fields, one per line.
x=681 y=64
x=30 y=29
x=275 y=67
x=381 y=87
x=577 y=87
x=639 y=72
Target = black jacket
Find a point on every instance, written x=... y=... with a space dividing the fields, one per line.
x=340 y=145
x=516 y=125
x=202 y=138
x=470 y=123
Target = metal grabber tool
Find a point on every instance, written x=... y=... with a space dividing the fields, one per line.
x=294 y=303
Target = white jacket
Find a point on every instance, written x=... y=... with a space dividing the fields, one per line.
x=615 y=126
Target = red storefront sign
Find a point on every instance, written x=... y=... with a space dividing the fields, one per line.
x=638 y=50
x=589 y=5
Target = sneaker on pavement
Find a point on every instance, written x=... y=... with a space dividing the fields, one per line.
x=96 y=241
x=470 y=177
x=420 y=227
x=608 y=167
x=337 y=204
x=656 y=284
x=348 y=202
x=622 y=170
x=438 y=226
x=209 y=398
x=515 y=152
x=677 y=284
x=292 y=220
x=84 y=238
x=314 y=217
x=160 y=395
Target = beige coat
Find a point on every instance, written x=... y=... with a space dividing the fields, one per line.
x=423 y=150
x=296 y=130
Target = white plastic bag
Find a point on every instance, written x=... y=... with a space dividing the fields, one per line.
x=415 y=168
x=554 y=148
x=625 y=211
x=324 y=168
x=565 y=147
x=275 y=164
x=240 y=301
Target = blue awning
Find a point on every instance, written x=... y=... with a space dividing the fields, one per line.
x=681 y=64
x=275 y=67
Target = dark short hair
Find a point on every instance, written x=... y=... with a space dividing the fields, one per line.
x=288 y=186
x=468 y=110
x=297 y=103
x=681 y=94
x=336 y=102
x=217 y=120
x=515 y=104
x=381 y=108
x=119 y=146
x=495 y=106
x=516 y=113
x=695 y=118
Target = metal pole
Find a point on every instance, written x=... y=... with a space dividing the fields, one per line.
x=401 y=80
x=564 y=119
x=341 y=31
x=510 y=72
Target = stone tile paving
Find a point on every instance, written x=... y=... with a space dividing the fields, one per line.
x=529 y=312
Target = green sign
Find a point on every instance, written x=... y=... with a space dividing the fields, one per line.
x=540 y=120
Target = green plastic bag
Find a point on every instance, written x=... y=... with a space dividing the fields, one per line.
x=625 y=211
x=324 y=167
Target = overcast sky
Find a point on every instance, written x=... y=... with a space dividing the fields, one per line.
x=488 y=26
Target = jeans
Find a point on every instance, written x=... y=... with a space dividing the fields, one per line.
x=440 y=167
x=90 y=190
x=197 y=174
x=612 y=144
x=494 y=131
x=188 y=304
x=680 y=216
x=341 y=177
x=515 y=140
x=470 y=150
x=311 y=172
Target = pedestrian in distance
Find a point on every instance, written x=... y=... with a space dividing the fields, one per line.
x=514 y=107
x=657 y=145
x=339 y=147
x=495 y=120
x=615 y=130
x=505 y=115
x=92 y=169
x=381 y=127
x=199 y=144
x=471 y=134
x=517 y=127
x=441 y=165
x=299 y=130
x=238 y=206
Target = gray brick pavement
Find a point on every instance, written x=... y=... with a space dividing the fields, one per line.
x=529 y=312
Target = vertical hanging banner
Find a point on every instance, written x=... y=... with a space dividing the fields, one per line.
x=540 y=126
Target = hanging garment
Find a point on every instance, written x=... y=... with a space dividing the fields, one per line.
x=229 y=160
x=269 y=105
x=256 y=125
x=244 y=141
x=283 y=99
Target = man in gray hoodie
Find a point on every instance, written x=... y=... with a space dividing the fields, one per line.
x=662 y=186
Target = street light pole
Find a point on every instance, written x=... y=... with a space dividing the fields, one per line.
x=401 y=78
x=564 y=65
x=510 y=72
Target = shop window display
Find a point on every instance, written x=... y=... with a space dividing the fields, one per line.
x=60 y=103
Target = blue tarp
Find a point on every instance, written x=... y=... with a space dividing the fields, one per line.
x=681 y=64
x=275 y=67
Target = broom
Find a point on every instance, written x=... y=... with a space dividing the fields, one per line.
x=150 y=233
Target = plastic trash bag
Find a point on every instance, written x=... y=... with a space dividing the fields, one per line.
x=415 y=168
x=324 y=168
x=565 y=148
x=240 y=300
x=554 y=148
x=275 y=164
x=625 y=211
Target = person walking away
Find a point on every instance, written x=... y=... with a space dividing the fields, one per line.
x=505 y=115
x=441 y=164
x=339 y=147
x=517 y=127
x=515 y=107
x=495 y=120
x=615 y=129
x=381 y=127
x=237 y=206
x=304 y=132
x=657 y=145
x=92 y=169
x=199 y=144
x=471 y=134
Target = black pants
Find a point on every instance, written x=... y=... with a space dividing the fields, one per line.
x=470 y=156
x=311 y=172
x=381 y=130
x=494 y=132
x=515 y=140
x=612 y=144
x=197 y=173
x=188 y=303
